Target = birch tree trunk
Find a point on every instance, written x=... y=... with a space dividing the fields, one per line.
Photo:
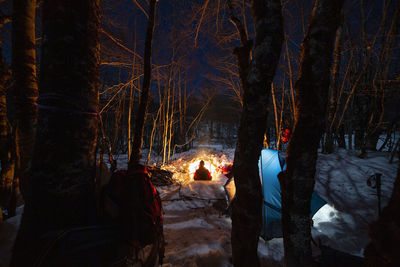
x=61 y=190
x=25 y=87
x=246 y=212
x=297 y=182
x=144 y=97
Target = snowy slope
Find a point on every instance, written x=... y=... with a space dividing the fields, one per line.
x=341 y=180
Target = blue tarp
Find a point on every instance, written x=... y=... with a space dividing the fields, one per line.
x=270 y=165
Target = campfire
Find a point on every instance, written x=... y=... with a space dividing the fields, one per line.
x=185 y=167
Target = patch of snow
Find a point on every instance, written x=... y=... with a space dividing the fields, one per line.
x=8 y=233
x=272 y=249
x=195 y=223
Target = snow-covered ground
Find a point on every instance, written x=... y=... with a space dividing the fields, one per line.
x=197 y=231
x=198 y=234
x=341 y=179
x=8 y=232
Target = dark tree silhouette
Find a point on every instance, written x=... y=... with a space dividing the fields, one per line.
x=246 y=212
x=144 y=97
x=297 y=182
x=25 y=87
x=7 y=166
x=61 y=189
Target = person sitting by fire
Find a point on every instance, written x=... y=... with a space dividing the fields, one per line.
x=202 y=173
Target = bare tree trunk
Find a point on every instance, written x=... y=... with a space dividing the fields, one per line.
x=333 y=92
x=281 y=118
x=131 y=100
x=61 y=190
x=167 y=96
x=290 y=78
x=276 y=118
x=383 y=250
x=25 y=86
x=297 y=182
x=152 y=134
x=171 y=123
x=246 y=212
x=182 y=137
x=144 y=97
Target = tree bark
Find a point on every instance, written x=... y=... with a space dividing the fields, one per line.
x=25 y=87
x=297 y=181
x=383 y=250
x=61 y=189
x=7 y=166
x=144 y=97
x=246 y=212
x=4 y=77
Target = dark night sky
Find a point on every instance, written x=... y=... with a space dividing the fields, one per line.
x=175 y=15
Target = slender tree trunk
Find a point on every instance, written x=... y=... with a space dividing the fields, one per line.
x=246 y=212
x=153 y=133
x=132 y=91
x=333 y=92
x=131 y=100
x=25 y=86
x=290 y=78
x=281 y=119
x=182 y=139
x=383 y=250
x=144 y=97
x=61 y=190
x=167 y=96
x=297 y=182
x=185 y=98
x=276 y=118
x=171 y=124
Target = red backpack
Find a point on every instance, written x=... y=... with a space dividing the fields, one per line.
x=132 y=201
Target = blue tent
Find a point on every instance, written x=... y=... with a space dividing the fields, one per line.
x=270 y=165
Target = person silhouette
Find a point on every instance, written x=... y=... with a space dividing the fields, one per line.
x=202 y=173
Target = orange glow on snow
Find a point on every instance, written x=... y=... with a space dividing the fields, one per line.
x=184 y=167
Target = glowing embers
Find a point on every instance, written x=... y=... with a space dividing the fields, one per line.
x=194 y=165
